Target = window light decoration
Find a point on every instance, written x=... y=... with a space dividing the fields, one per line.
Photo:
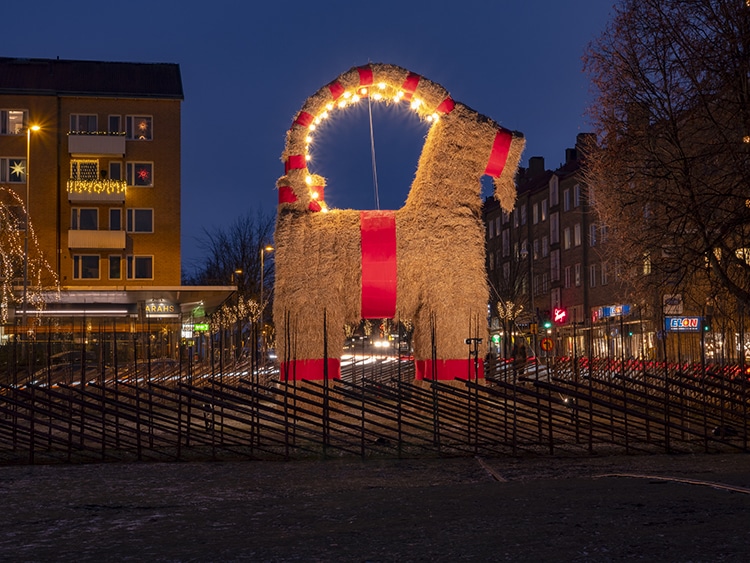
x=99 y=186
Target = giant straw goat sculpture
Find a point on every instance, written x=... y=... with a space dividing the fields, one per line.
x=424 y=263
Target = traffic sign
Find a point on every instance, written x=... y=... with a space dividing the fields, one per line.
x=546 y=344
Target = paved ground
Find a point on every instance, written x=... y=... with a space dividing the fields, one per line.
x=651 y=508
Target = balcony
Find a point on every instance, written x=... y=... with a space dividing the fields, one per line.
x=104 y=190
x=111 y=240
x=92 y=144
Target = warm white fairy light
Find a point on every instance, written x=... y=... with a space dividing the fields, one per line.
x=384 y=92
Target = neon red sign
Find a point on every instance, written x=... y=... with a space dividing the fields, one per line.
x=559 y=315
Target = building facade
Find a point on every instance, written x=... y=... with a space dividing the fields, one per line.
x=90 y=155
x=552 y=278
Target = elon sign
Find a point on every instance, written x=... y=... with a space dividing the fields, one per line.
x=683 y=324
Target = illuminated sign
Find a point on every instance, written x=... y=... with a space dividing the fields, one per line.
x=160 y=308
x=200 y=327
x=611 y=311
x=559 y=315
x=682 y=324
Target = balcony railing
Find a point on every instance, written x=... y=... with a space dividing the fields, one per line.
x=96 y=190
x=96 y=143
x=96 y=239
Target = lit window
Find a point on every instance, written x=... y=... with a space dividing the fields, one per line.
x=13 y=121
x=13 y=170
x=84 y=169
x=140 y=174
x=138 y=127
x=577 y=234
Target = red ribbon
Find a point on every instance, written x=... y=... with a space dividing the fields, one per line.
x=447 y=369
x=365 y=75
x=499 y=153
x=286 y=195
x=336 y=90
x=446 y=106
x=311 y=370
x=410 y=85
x=295 y=162
x=304 y=119
x=378 y=236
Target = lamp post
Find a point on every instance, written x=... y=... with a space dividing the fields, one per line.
x=26 y=228
x=263 y=250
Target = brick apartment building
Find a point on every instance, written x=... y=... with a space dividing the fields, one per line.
x=102 y=176
x=550 y=253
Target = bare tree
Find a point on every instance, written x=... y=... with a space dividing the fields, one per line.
x=671 y=172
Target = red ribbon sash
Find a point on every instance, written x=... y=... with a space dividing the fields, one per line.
x=378 y=236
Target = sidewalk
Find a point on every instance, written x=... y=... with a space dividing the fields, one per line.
x=653 y=508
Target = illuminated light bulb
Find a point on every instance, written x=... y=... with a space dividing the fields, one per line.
x=435 y=117
x=347 y=95
x=308 y=158
x=415 y=104
x=308 y=180
x=381 y=85
x=323 y=208
x=324 y=115
x=377 y=96
x=308 y=139
x=355 y=98
x=746 y=138
x=316 y=121
x=342 y=104
x=429 y=118
x=363 y=91
x=312 y=127
x=399 y=94
x=315 y=195
x=329 y=106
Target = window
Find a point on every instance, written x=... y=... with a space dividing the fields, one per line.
x=605 y=273
x=84 y=219
x=84 y=169
x=85 y=267
x=554 y=228
x=554 y=265
x=603 y=233
x=523 y=214
x=13 y=170
x=535 y=245
x=535 y=213
x=506 y=272
x=577 y=274
x=545 y=282
x=646 y=263
x=115 y=267
x=577 y=234
x=515 y=218
x=592 y=275
x=115 y=170
x=506 y=217
x=545 y=246
x=140 y=267
x=592 y=235
x=566 y=278
x=577 y=195
x=138 y=127
x=544 y=210
x=115 y=219
x=491 y=229
x=492 y=261
x=13 y=121
x=553 y=191
x=506 y=242
x=566 y=238
x=83 y=123
x=140 y=220
x=114 y=124
x=566 y=200
x=140 y=174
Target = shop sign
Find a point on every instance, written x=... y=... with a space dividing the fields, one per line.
x=160 y=308
x=682 y=324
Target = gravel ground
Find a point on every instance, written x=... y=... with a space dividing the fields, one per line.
x=651 y=508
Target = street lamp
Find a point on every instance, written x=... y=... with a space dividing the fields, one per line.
x=263 y=250
x=26 y=230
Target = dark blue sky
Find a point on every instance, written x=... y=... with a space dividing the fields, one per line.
x=247 y=67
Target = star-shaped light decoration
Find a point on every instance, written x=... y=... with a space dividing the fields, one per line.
x=18 y=169
x=143 y=174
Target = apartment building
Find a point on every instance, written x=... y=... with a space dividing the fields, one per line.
x=549 y=259
x=92 y=151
